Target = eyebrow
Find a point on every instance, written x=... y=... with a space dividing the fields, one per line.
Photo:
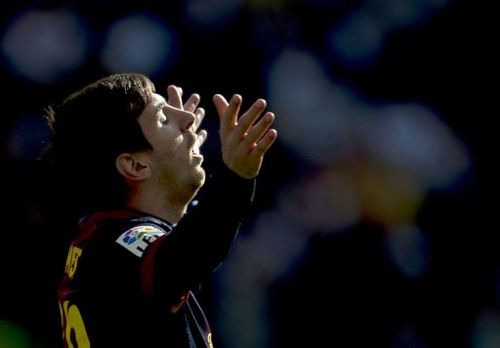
x=160 y=105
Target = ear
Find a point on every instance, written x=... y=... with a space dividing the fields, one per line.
x=133 y=167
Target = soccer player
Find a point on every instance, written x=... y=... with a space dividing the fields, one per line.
x=129 y=162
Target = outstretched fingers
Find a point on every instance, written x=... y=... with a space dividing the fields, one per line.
x=201 y=136
x=258 y=130
x=228 y=112
x=264 y=143
x=174 y=94
x=247 y=120
x=199 y=114
x=192 y=103
x=244 y=139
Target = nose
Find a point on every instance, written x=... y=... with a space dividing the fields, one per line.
x=184 y=119
x=188 y=120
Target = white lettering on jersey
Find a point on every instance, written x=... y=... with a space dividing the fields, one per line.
x=137 y=239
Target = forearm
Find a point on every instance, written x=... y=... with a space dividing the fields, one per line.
x=202 y=239
x=210 y=227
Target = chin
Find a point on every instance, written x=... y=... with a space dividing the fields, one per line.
x=199 y=178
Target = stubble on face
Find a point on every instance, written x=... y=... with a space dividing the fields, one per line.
x=180 y=184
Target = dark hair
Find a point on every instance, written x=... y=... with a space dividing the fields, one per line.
x=90 y=129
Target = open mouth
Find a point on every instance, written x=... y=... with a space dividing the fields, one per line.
x=195 y=151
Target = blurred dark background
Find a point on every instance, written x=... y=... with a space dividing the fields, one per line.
x=373 y=222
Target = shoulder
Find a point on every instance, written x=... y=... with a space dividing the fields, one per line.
x=138 y=236
x=123 y=231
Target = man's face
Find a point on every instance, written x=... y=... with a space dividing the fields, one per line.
x=175 y=158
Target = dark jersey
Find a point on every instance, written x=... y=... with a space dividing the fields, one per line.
x=130 y=278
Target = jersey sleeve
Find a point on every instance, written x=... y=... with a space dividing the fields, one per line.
x=201 y=240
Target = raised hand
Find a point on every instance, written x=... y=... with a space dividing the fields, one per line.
x=244 y=139
x=174 y=94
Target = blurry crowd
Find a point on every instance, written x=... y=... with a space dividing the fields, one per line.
x=373 y=221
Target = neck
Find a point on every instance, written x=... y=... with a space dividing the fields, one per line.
x=167 y=206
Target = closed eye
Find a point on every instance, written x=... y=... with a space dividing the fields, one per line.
x=160 y=110
x=163 y=117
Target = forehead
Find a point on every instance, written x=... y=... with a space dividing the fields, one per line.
x=151 y=110
x=154 y=103
x=157 y=99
